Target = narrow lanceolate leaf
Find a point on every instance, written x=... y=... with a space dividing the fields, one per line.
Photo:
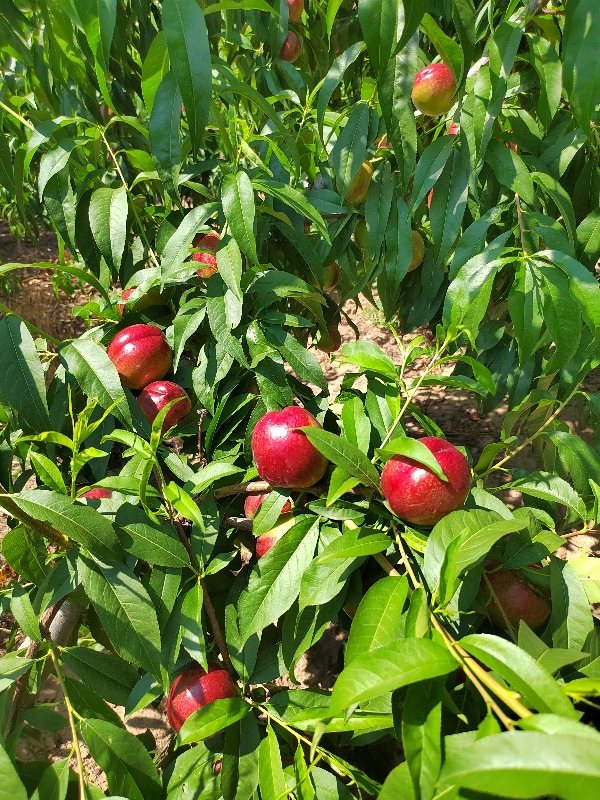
x=113 y=678
x=376 y=623
x=581 y=70
x=343 y=455
x=11 y=787
x=156 y=66
x=98 y=18
x=301 y=360
x=129 y=769
x=389 y=667
x=189 y=52
x=378 y=21
x=237 y=196
x=96 y=374
x=571 y=618
x=334 y=76
x=524 y=764
x=351 y=147
x=270 y=771
x=275 y=580
x=108 y=221
x=212 y=718
x=510 y=170
x=239 y=776
x=125 y=610
x=448 y=207
x=23 y=384
x=23 y=612
x=81 y=523
x=55 y=780
x=449 y=50
x=148 y=541
x=421 y=734
x=165 y=142
x=550 y=487
x=523 y=673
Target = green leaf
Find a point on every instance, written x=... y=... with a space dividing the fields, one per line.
x=237 y=196
x=148 y=541
x=7 y=175
x=523 y=764
x=588 y=238
x=212 y=718
x=448 y=207
x=177 y=248
x=11 y=667
x=521 y=671
x=582 y=285
x=26 y=554
x=510 y=170
x=550 y=487
x=53 y=162
x=229 y=264
x=23 y=377
x=11 y=787
x=192 y=634
x=335 y=75
x=350 y=148
x=108 y=221
x=239 y=775
x=125 y=610
x=165 y=144
x=398 y=784
x=192 y=769
x=377 y=620
x=269 y=511
x=370 y=358
x=48 y=472
x=81 y=523
x=187 y=41
x=421 y=734
x=321 y=582
x=22 y=611
x=581 y=73
x=547 y=64
x=88 y=704
x=397 y=664
x=560 y=198
x=415 y=450
x=156 y=66
x=112 y=677
x=270 y=771
x=343 y=454
x=450 y=51
x=275 y=580
x=129 y=769
x=429 y=168
x=301 y=360
x=55 y=780
x=378 y=22
x=293 y=198
x=93 y=370
x=571 y=619
x=60 y=202
x=354 y=544
x=98 y=18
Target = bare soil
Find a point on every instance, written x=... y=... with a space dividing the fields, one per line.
x=454 y=411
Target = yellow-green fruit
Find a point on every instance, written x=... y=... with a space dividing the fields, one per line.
x=331 y=341
x=357 y=191
x=331 y=276
x=360 y=234
x=418 y=251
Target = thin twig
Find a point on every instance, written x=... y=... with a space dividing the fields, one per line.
x=217 y=632
x=521 y=226
x=71 y=715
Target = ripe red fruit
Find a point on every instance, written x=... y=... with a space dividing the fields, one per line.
x=331 y=341
x=195 y=688
x=453 y=130
x=141 y=355
x=291 y=48
x=295 y=8
x=267 y=540
x=357 y=191
x=157 y=395
x=416 y=494
x=98 y=494
x=284 y=456
x=151 y=298
x=433 y=90
x=209 y=242
x=254 y=501
x=517 y=598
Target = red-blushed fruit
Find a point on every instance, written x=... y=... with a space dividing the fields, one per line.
x=331 y=341
x=517 y=598
x=98 y=494
x=195 y=688
x=331 y=276
x=291 y=48
x=416 y=494
x=141 y=355
x=157 y=395
x=433 y=90
x=151 y=298
x=418 y=250
x=209 y=242
x=359 y=185
x=295 y=9
x=253 y=502
x=283 y=456
x=267 y=540
x=453 y=130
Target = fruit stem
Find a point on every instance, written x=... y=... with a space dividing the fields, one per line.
x=71 y=715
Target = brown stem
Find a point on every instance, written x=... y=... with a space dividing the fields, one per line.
x=201 y=415
x=254 y=487
x=241 y=523
x=217 y=632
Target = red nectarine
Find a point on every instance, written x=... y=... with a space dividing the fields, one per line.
x=517 y=598
x=157 y=395
x=291 y=48
x=210 y=243
x=433 y=90
x=195 y=688
x=141 y=355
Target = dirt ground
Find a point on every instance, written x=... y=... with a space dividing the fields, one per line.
x=454 y=411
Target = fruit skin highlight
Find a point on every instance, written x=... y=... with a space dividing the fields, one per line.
x=269 y=539
x=253 y=502
x=210 y=242
x=416 y=494
x=141 y=355
x=517 y=598
x=283 y=456
x=359 y=185
x=195 y=688
x=434 y=90
x=157 y=395
x=291 y=48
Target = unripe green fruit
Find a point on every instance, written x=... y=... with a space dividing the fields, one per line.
x=357 y=191
x=418 y=253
